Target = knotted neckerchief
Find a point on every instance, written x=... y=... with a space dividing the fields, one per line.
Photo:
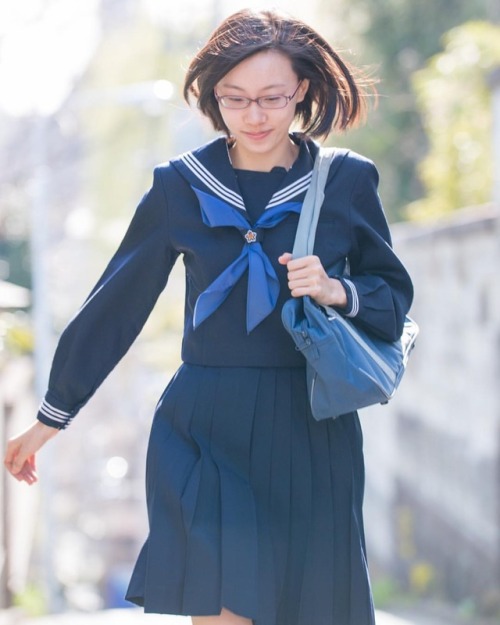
x=263 y=284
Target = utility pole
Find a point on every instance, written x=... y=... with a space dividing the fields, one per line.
x=39 y=246
x=149 y=96
x=4 y=519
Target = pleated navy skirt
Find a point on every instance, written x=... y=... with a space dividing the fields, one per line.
x=253 y=505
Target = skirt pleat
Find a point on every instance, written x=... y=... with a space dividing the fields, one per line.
x=253 y=505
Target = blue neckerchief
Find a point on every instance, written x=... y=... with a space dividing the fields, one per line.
x=263 y=284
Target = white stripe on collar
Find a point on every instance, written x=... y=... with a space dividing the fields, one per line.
x=208 y=179
x=290 y=191
x=201 y=172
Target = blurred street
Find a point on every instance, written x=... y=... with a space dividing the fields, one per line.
x=137 y=617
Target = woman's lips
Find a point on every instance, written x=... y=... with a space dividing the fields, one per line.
x=257 y=136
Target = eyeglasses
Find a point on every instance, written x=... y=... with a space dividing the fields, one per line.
x=265 y=101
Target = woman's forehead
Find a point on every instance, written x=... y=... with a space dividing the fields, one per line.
x=266 y=69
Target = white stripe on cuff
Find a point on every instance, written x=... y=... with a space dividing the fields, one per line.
x=60 y=416
x=355 y=299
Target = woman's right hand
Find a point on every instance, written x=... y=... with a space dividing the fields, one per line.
x=20 y=457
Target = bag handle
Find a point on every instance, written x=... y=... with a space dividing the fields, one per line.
x=326 y=164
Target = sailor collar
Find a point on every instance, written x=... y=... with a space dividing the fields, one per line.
x=208 y=169
x=210 y=174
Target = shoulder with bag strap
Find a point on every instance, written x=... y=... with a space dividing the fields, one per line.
x=346 y=368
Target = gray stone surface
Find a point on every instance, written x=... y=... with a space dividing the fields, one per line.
x=433 y=452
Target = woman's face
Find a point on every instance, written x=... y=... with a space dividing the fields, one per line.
x=261 y=134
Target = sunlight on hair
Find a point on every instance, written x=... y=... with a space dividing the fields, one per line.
x=46 y=46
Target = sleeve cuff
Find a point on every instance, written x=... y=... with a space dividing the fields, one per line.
x=352 y=308
x=54 y=417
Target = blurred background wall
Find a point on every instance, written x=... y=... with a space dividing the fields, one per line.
x=433 y=454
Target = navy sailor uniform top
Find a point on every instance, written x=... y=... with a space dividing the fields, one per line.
x=235 y=287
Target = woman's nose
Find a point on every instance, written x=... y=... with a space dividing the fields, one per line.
x=254 y=113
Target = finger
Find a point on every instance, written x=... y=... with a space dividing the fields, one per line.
x=29 y=467
x=33 y=471
x=311 y=276
x=285 y=258
x=30 y=478
x=17 y=464
x=9 y=465
x=304 y=262
x=15 y=458
x=301 y=291
x=27 y=479
x=300 y=283
x=305 y=278
x=18 y=475
x=27 y=474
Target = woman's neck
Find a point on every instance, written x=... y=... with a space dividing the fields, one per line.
x=263 y=162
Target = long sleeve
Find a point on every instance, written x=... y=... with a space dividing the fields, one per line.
x=114 y=313
x=379 y=288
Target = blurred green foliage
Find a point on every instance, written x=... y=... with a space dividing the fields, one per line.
x=395 y=38
x=16 y=333
x=455 y=101
x=123 y=142
x=32 y=601
x=125 y=137
x=386 y=591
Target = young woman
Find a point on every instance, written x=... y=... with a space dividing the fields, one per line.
x=255 y=509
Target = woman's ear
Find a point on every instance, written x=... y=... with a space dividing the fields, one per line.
x=302 y=90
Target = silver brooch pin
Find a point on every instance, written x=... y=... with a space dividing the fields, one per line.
x=250 y=236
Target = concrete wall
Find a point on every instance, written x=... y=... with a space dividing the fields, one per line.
x=433 y=454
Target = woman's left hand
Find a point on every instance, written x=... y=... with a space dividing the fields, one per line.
x=307 y=276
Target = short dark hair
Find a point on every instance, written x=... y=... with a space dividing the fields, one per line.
x=337 y=92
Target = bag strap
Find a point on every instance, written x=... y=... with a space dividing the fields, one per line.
x=326 y=164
